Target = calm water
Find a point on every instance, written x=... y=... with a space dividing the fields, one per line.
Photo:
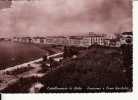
x=12 y=54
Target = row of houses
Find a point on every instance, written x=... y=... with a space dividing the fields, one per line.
x=80 y=41
x=57 y=40
x=5 y=39
x=87 y=40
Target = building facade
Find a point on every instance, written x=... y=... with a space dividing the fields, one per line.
x=39 y=40
x=97 y=39
x=81 y=40
x=57 y=40
x=126 y=38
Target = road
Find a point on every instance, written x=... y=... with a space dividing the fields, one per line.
x=11 y=79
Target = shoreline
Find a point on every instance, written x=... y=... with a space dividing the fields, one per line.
x=24 y=65
x=11 y=58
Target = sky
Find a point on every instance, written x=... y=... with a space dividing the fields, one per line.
x=64 y=17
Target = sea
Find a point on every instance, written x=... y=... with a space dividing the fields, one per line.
x=12 y=53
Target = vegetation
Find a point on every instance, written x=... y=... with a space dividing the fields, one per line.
x=69 y=51
x=19 y=70
x=21 y=86
x=96 y=68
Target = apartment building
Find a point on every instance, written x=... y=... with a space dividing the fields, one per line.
x=57 y=40
x=39 y=40
x=126 y=38
x=80 y=40
x=97 y=39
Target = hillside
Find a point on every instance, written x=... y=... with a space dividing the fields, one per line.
x=95 y=68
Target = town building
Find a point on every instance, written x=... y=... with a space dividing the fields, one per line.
x=87 y=40
x=26 y=40
x=39 y=40
x=97 y=39
x=56 y=40
x=81 y=40
x=75 y=40
x=17 y=39
x=107 y=42
x=126 y=38
x=5 y=39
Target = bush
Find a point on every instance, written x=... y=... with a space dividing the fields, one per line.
x=93 y=68
x=19 y=70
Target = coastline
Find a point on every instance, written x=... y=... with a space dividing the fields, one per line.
x=13 y=54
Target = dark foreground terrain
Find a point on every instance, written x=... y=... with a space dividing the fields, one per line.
x=97 y=69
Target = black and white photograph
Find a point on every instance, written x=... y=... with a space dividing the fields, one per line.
x=66 y=46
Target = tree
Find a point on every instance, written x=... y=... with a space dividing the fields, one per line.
x=44 y=58
x=118 y=36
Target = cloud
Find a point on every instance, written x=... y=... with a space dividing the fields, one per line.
x=50 y=17
x=5 y=4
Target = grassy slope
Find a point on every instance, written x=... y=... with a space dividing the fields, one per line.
x=94 y=68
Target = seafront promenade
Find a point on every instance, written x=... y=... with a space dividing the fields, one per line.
x=7 y=76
